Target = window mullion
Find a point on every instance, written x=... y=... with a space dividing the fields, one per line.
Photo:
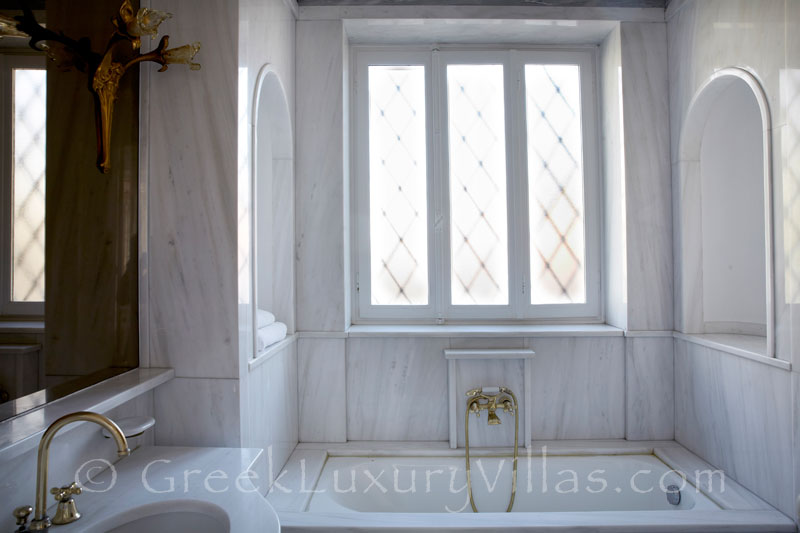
x=441 y=241
x=514 y=127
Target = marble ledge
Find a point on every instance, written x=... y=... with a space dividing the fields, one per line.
x=442 y=448
x=22 y=433
x=270 y=351
x=461 y=11
x=485 y=330
x=746 y=346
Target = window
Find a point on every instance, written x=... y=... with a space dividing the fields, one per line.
x=24 y=103
x=476 y=187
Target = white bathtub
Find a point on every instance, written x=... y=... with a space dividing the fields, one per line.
x=544 y=484
x=612 y=486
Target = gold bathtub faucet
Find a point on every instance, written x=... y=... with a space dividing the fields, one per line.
x=480 y=400
x=490 y=399
x=67 y=511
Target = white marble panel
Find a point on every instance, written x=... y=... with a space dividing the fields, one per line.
x=271 y=421
x=648 y=191
x=197 y=412
x=397 y=389
x=578 y=388
x=707 y=35
x=193 y=197
x=321 y=390
x=320 y=180
x=649 y=388
x=737 y=415
x=615 y=260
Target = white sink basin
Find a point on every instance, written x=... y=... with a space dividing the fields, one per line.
x=168 y=517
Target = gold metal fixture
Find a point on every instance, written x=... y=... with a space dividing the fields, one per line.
x=491 y=399
x=64 y=495
x=106 y=70
x=21 y=515
x=67 y=511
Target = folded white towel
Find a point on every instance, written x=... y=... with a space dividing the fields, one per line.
x=264 y=318
x=269 y=335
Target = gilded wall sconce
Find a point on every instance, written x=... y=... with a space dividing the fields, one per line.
x=107 y=69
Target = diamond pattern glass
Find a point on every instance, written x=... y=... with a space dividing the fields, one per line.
x=555 y=184
x=478 y=212
x=398 y=186
x=28 y=184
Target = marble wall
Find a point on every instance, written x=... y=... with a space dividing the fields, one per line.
x=747 y=420
x=396 y=388
x=200 y=257
x=737 y=415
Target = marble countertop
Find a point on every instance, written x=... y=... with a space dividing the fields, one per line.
x=225 y=477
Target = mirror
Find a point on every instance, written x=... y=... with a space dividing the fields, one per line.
x=69 y=242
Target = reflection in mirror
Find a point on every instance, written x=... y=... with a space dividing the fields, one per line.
x=69 y=313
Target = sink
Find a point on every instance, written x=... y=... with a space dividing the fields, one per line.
x=168 y=517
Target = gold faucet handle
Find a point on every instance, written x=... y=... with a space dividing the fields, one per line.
x=66 y=492
x=21 y=515
x=474 y=392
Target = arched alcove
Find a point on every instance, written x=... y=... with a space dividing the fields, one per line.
x=726 y=262
x=273 y=199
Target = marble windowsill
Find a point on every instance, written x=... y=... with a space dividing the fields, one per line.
x=22 y=433
x=747 y=346
x=485 y=330
x=270 y=351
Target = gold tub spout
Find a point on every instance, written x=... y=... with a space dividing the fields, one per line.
x=41 y=521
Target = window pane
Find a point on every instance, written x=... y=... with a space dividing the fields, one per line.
x=555 y=184
x=28 y=185
x=478 y=212
x=397 y=185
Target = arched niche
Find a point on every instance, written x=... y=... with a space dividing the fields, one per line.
x=726 y=238
x=273 y=199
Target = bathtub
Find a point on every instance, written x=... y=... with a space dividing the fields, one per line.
x=611 y=486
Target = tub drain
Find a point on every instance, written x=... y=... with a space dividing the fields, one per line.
x=673 y=495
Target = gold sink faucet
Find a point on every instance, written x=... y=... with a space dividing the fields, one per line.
x=67 y=512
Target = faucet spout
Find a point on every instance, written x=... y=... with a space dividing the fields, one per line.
x=41 y=521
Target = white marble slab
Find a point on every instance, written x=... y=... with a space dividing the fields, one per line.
x=397 y=389
x=296 y=482
x=736 y=414
x=320 y=180
x=649 y=388
x=578 y=388
x=193 y=197
x=197 y=412
x=484 y=330
x=647 y=175
x=321 y=390
x=270 y=413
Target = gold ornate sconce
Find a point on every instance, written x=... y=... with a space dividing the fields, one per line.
x=107 y=69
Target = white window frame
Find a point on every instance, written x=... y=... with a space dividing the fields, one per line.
x=9 y=62
x=439 y=309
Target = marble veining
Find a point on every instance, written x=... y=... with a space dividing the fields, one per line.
x=321 y=390
x=578 y=388
x=736 y=414
x=320 y=222
x=649 y=388
x=647 y=175
x=397 y=389
x=197 y=412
